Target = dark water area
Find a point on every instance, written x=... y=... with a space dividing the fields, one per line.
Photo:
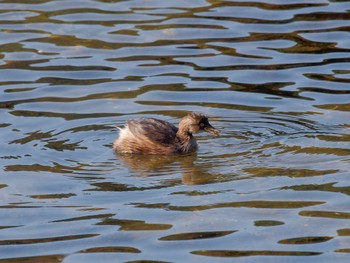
x=272 y=75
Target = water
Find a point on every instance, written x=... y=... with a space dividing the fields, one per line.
x=272 y=75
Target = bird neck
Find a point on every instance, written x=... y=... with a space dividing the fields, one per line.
x=185 y=142
x=184 y=135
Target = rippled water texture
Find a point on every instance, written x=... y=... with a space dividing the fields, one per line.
x=273 y=75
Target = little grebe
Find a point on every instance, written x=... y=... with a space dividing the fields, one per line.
x=153 y=136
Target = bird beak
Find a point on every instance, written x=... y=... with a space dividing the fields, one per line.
x=211 y=129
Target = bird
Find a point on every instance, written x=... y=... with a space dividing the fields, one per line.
x=158 y=137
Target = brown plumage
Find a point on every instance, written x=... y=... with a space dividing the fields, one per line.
x=153 y=136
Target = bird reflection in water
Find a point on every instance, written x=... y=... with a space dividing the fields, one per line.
x=192 y=172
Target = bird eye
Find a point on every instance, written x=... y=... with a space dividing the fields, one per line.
x=201 y=124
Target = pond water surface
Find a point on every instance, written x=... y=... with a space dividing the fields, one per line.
x=272 y=75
